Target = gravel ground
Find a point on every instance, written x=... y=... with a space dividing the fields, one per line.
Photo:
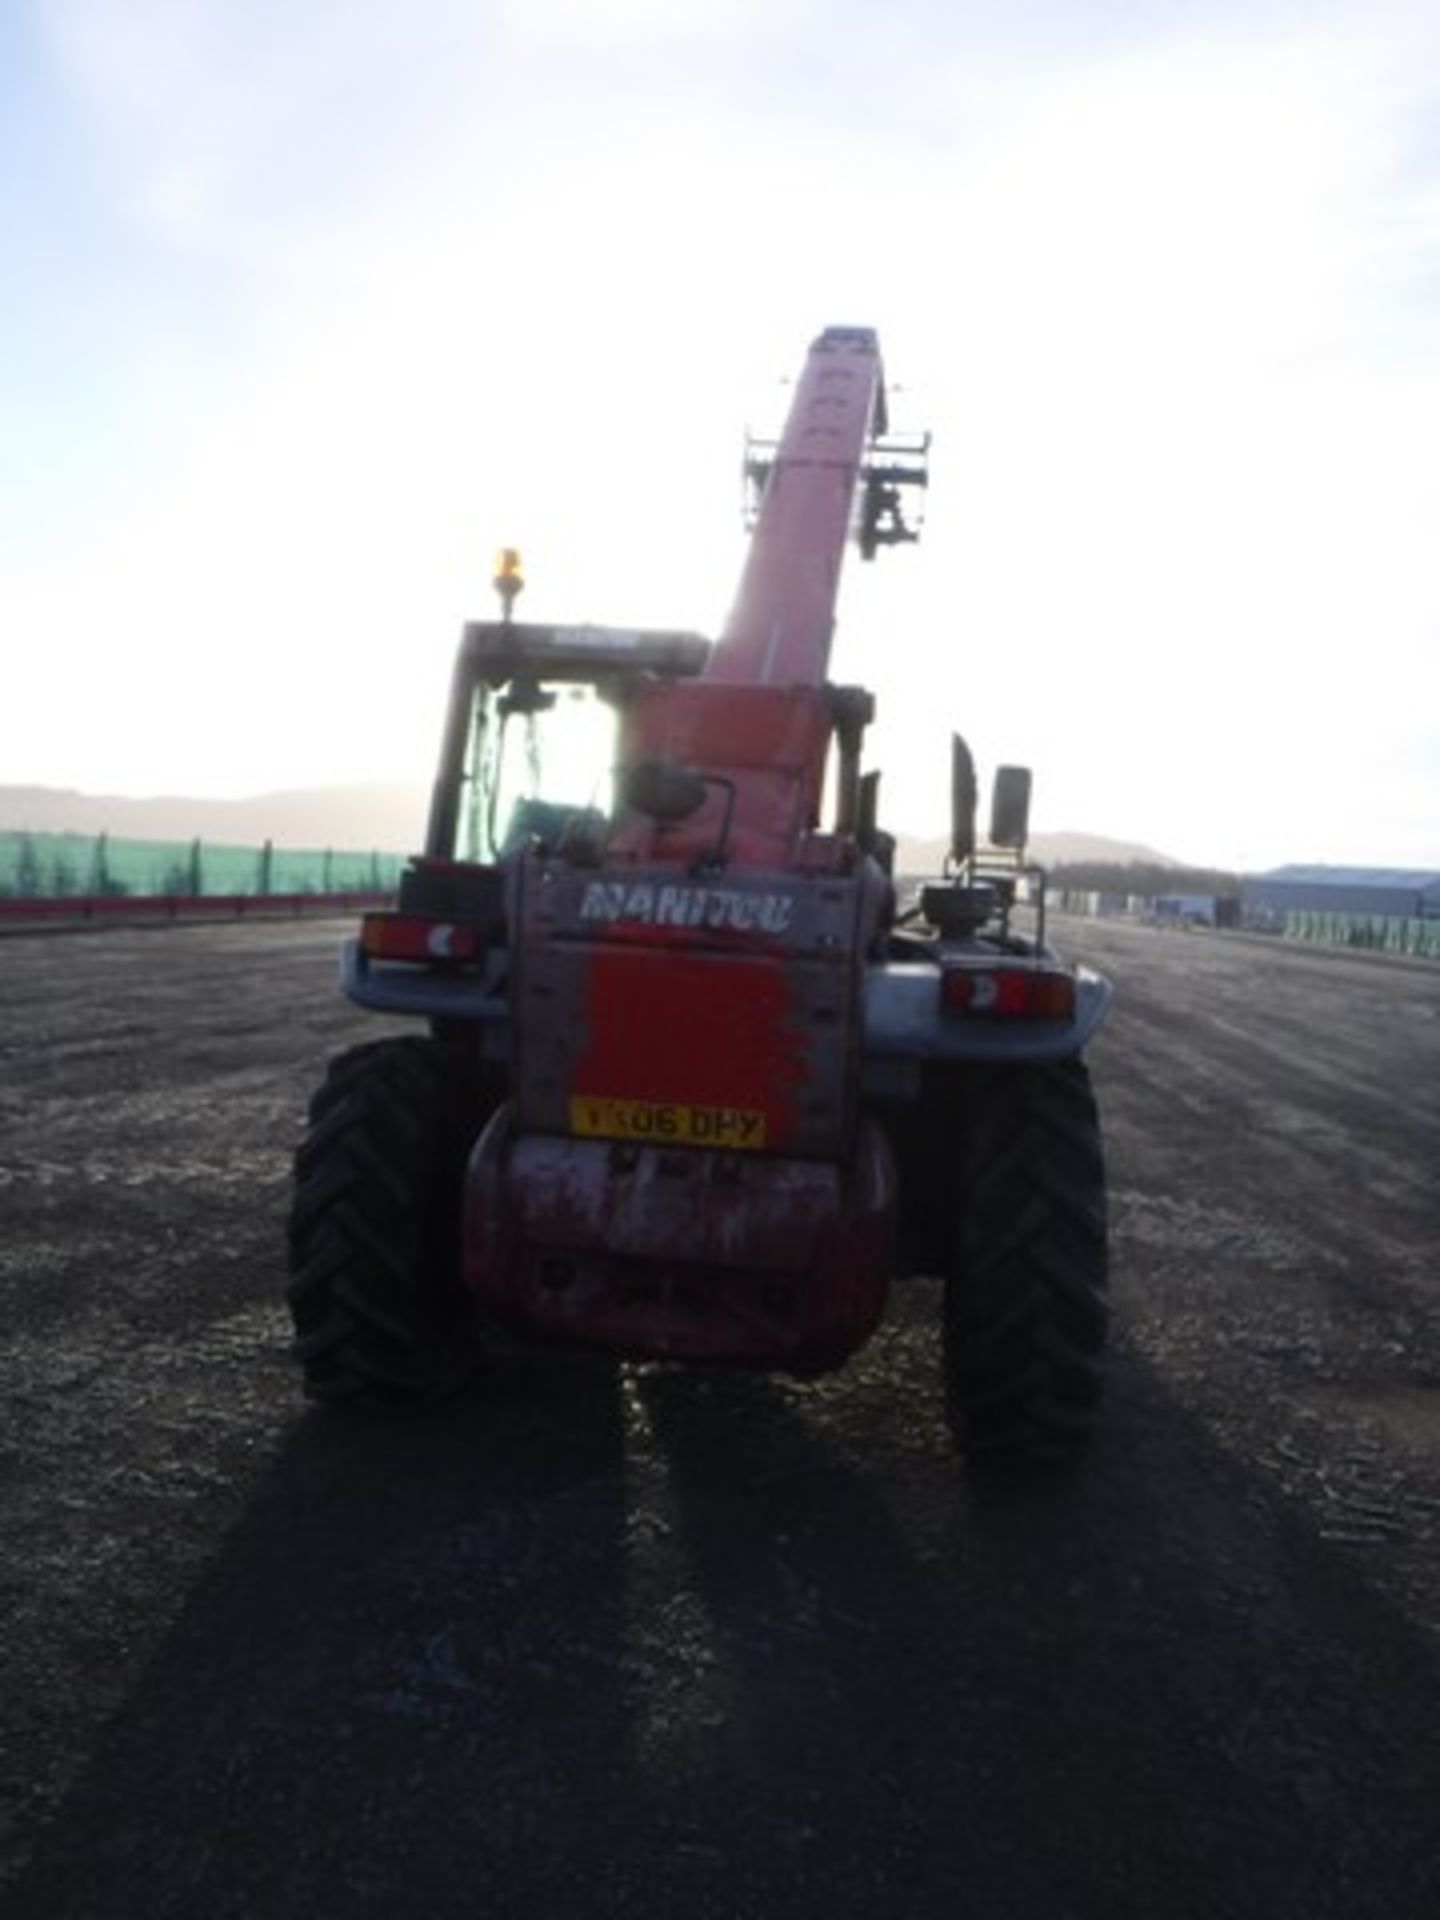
x=638 y=1642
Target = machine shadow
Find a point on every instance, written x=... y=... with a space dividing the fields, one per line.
x=677 y=1643
x=1145 y=1688
x=390 y=1691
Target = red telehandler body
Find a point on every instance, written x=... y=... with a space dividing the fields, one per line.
x=694 y=1087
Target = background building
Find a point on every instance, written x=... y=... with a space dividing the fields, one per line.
x=1386 y=891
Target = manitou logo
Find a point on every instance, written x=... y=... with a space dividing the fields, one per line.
x=611 y=902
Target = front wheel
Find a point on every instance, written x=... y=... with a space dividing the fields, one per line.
x=382 y=1321
x=1026 y=1313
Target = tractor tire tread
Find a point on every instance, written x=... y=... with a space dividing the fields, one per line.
x=1026 y=1312
x=381 y=1319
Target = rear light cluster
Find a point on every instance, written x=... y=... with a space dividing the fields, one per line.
x=1018 y=992
x=403 y=936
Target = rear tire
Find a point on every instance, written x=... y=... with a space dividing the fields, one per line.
x=382 y=1320
x=1026 y=1313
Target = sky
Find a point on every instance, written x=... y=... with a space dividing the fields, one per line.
x=308 y=309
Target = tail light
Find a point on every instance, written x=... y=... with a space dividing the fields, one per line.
x=1009 y=992
x=403 y=936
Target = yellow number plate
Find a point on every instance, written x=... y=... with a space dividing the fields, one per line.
x=598 y=1117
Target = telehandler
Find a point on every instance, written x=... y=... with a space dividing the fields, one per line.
x=693 y=1083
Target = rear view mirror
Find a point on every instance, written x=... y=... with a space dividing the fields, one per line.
x=1010 y=808
x=963 y=797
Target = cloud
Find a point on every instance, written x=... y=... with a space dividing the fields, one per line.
x=567 y=24
x=383 y=287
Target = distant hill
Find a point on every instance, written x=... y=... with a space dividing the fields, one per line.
x=365 y=819
x=390 y=819
x=1049 y=849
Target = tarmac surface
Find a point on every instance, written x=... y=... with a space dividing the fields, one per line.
x=590 y=1641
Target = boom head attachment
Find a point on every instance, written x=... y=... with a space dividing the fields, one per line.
x=835 y=474
x=893 y=463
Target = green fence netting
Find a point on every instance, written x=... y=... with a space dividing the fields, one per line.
x=50 y=866
x=1373 y=932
